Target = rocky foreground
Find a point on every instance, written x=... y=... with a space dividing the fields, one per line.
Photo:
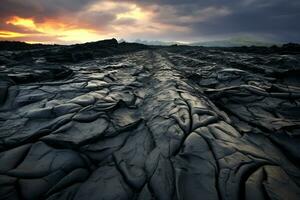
x=153 y=123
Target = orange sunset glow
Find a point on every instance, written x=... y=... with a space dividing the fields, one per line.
x=56 y=29
x=124 y=19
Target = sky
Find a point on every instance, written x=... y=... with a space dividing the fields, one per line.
x=77 y=21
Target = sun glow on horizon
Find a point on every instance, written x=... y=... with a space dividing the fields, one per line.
x=50 y=28
x=10 y=34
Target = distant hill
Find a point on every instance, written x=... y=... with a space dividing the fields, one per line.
x=289 y=48
x=232 y=42
x=236 y=42
x=155 y=42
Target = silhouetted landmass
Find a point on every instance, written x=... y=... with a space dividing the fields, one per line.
x=19 y=46
x=79 y=52
x=111 y=121
x=65 y=53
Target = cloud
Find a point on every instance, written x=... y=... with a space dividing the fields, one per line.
x=66 y=21
x=275 y=19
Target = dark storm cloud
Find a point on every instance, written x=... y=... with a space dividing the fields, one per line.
x=276 y=19
x=41 y=8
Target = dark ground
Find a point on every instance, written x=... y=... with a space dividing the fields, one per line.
x=127 y=121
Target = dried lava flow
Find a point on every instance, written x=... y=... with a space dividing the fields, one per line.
x=155 y=124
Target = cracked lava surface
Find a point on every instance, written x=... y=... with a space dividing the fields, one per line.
x=155 y=124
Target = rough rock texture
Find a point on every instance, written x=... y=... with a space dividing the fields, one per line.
x=176 y=123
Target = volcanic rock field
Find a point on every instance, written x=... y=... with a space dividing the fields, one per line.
x=107 y=121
